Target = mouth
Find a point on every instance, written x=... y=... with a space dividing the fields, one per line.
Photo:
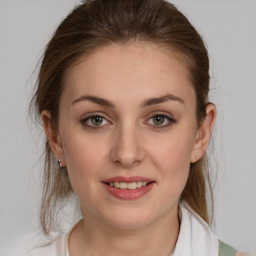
x=129 y=185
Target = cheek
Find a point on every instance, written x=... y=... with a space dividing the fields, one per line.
x=173 y=155
x=84 y=158
x=172 y=160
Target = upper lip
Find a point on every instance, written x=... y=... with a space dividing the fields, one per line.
x=127 y=179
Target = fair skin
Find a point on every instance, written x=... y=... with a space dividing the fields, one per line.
x=156 y=141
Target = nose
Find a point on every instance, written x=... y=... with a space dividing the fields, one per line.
x=127 y=149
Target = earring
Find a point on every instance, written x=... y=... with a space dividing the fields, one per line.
x=60 y=165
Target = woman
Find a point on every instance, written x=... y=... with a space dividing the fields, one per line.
x=123 y=97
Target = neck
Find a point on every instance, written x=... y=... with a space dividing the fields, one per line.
x=94 y=237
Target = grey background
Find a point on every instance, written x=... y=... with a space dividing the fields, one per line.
x=229 y=30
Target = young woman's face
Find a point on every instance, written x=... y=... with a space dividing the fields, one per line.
x=128 y=118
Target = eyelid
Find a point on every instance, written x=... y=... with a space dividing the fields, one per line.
x=160 y=113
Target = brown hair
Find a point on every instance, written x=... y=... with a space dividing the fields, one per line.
x=96 y=23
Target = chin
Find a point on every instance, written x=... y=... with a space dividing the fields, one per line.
x=128 y=219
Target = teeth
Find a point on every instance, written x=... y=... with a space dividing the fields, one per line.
x=116 y=184
x=139 y=184
x=132 y=185
x=125 y=185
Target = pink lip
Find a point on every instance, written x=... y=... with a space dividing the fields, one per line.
x=128 y=194
x=127 y=179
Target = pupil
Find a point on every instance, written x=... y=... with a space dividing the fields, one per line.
x=158 y=120
x=97 y=120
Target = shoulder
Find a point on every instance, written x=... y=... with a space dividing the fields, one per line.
x=54 y=247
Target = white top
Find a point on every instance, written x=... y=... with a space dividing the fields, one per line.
x=195 y=239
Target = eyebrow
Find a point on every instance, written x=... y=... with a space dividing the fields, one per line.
x=146 y=103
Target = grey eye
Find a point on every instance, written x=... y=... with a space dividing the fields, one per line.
x=96 y=120
x=158 y=120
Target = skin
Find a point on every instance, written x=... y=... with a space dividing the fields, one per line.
x=128 y=143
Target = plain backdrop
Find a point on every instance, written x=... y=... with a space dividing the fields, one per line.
x=229 y=30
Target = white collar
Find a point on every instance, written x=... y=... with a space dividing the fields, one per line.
x=195 y=236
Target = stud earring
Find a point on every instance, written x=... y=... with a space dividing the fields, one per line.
x=60 y=165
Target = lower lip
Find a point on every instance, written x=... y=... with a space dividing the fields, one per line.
x=129 y=194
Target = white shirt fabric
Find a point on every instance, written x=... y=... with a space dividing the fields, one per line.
x=195 y=236
x=195 y=239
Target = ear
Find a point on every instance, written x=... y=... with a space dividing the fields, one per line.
x=53 y=136
x=203 y=133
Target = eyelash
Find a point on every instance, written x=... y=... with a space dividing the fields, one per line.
x=170 y=120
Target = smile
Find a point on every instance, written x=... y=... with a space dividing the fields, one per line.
x=131 y=185
x=128 y=187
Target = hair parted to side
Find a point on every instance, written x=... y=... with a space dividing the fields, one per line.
x=97 y=23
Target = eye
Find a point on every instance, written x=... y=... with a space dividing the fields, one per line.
x=156 y=120
x=161 y=121
x=94 y=121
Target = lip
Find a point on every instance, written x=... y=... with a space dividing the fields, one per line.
x=127 y=179
x=128 y=194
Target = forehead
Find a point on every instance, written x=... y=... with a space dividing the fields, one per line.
x=129 y=71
